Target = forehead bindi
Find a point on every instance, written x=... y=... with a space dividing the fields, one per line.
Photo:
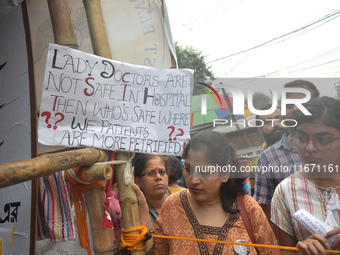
x=155 y=163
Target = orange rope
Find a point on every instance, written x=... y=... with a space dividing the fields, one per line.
x=79 y=203
x=130 y=241
x=236 y=243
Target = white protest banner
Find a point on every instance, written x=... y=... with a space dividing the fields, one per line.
x=92 y=101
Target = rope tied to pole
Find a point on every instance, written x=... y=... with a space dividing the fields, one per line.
x=130 y=241
x=127 y=174
x=76 y=176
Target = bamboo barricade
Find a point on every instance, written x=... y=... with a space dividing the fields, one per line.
x=47 y=164
x=101 y=47
x=104 y=242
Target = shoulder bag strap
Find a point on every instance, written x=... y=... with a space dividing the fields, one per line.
x=245 y=218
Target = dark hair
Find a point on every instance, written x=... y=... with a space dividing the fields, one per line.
x=139 y=162
x=174 y=168
x=221 y=153
x=324 y=109
x=304 y=84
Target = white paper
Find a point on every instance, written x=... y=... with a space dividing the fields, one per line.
x=313 y=224
x=92 y=101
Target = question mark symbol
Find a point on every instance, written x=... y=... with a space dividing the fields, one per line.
x=173 y=129
x=181 y=134
x=48 y=116
x=62 y=118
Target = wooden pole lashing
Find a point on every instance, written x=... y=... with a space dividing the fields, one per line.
x=128 y=200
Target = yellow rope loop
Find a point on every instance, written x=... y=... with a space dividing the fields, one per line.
x=130 y=241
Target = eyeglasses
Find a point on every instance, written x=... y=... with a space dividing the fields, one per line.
x=153 y=174
x=320 y=143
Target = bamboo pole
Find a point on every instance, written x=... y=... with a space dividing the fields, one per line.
x=104 y=242
x=62 y=24
x=128 y=200
x=101 y=47
x=98 y=172
x=105 y=245
x=100 y=43
x=47 y=164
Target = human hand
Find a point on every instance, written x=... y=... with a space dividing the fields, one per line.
x=142 y=207
x=140 y=196
x=313 y=245
x=336 y=243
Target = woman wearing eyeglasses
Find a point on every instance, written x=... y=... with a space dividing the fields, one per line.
x=315 y=187
x=152 y=178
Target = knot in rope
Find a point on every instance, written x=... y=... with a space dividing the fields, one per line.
x=77 y=177
x=130 y=241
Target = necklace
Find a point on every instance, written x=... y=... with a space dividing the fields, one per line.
x=327 y=195
x=331 y=188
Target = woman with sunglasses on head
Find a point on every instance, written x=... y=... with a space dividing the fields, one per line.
x=152 y=178
x=315 y=187
x=211 y=207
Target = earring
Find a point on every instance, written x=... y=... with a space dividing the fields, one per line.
x=225 y=180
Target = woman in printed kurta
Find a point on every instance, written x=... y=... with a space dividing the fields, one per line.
x=178 y=219
x=208 y=209
x=315 y=187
